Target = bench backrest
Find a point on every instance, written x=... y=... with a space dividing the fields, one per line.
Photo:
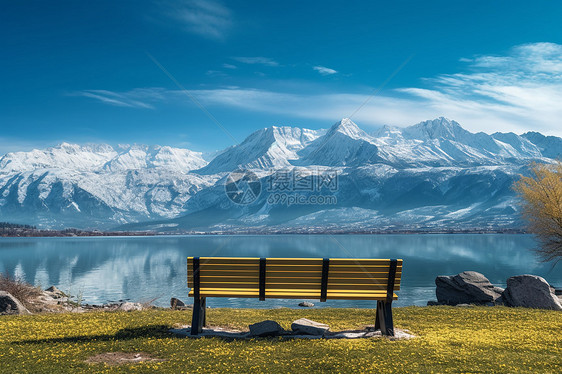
x=295 y=277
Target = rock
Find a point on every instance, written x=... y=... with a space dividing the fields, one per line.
x=497 y=290
x=266 y=328
x=55 y=293
x=530 y=291
x=306 y=304
x=231 y=334
x=176 y=303
x=468 y=287
x=129 y=307
x=308 y=327
x=433 y=303
x=53 y=289
x=11 y=305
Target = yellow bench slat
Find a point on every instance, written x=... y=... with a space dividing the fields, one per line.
x=296 y=286
x=295 y=268
x=300 y=280
x=292 y=261
x=294 y=276
x=269 y=293
x=362 y=262
x=290 y=294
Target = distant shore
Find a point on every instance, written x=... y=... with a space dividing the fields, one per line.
x=28 y=231
x=16 y=232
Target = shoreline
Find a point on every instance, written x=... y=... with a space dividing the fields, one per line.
x=72 y=233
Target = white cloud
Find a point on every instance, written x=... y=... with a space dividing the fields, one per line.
x=137 y=98
x=256 y=61
x=229 y=66
x=519 y=91
x=208 y=18
x=324 y=70
x=329 y=107
x=215 y=73
x=535 y=58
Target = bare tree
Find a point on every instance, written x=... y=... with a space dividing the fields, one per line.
x=541 y=195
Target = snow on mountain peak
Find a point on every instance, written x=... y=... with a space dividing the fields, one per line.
x=95 y=157
x=344 y=144
x=271 y=147
x=142 y=156
x=550 y=146
x=63 y=156
x=349 y=128
x=518 y=144
x=439 y=128
x=387 y=131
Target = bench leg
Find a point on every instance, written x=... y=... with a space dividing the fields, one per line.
x=383 y=318
x=377 y=316
x=199 y=317
x=204 y=310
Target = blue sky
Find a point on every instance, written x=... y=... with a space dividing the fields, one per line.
x=92 y=71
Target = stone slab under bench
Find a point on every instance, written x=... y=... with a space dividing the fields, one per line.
x=229 y=334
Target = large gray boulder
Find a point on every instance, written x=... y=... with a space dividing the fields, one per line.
x=530 y=291
x=266 y=328
x=468 y=287
x=309 y=327
x=11 y=305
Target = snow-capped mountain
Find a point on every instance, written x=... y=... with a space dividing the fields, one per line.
x=94 y=157
x=549 y=146
x=156 y=157
x=272 y=147
x=97 y=185
x=441 y=142
x=64 y=156
x=434 y=174
x=344 y=144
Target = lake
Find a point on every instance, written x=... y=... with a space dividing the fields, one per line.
x=103 y=269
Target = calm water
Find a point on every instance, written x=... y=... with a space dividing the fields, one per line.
x=144 y=268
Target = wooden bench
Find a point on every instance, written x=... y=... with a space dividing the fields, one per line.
x=294 y=278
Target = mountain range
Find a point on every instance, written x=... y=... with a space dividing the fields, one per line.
x=434 y=174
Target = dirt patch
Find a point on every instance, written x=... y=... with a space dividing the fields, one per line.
x=122 y=358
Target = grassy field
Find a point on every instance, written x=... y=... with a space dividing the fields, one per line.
x=471 y=340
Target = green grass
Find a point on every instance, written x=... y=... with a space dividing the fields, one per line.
x=475 y=340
